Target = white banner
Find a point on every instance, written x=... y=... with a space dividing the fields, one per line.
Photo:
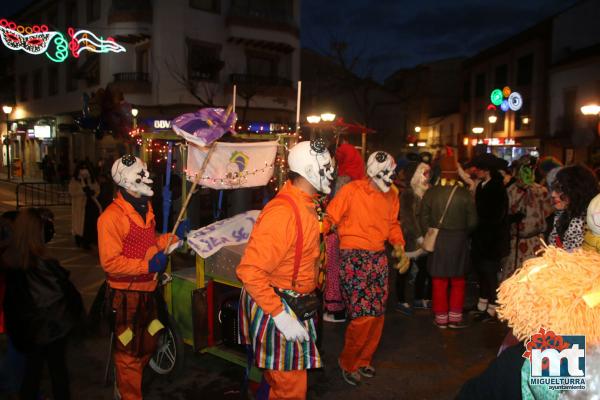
x=228 y=232
x=233 y=165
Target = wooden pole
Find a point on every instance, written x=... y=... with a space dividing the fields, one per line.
x=363 y=149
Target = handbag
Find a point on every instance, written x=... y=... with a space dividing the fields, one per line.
x=305 y=306
x=432 y=233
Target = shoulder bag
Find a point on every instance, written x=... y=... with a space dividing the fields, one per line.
x=432 y=233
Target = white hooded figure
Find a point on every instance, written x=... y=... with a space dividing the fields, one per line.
x=131 y=173
x=380 y=168
x=312 y=161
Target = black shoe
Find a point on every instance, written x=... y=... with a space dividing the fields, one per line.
x=485 y=317
x=458 y=325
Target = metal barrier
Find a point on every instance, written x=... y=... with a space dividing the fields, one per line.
x=42 y=194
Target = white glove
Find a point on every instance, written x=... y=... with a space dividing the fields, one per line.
x=420 y=240
x=413 y=255
x=174 y=246
x=291 y=328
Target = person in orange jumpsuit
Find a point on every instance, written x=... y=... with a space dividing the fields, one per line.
x=365 y=214
x=278 y=268
x=132 y=255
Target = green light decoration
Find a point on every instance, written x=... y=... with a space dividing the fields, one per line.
x=62 y=49
x=496 y=97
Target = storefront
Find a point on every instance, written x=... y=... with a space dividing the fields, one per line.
x=506 y=148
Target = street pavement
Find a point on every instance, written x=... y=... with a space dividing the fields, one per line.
x=415 y=359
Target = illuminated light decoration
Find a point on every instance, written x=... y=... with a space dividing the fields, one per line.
x=506 y=91
x=33 y=40
x=496 y=97
x=466 y=141
x=62 y=49
x=84 y=40
x=504 y=106
x=492 y=107
x=515 y=101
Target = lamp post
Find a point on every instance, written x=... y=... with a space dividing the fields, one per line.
x=477 y=130
x=7 y=110
x=492 y=120
x=592 y=110
x=134 y=113
x=313 y=120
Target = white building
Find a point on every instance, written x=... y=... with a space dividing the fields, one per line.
x=180 y=55
x=574 y=81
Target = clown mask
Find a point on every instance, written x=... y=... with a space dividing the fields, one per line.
x=313 y=162
x=420 y=180
x=380 y=168
x=130 y=173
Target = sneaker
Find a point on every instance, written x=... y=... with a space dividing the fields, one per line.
x=367 y=372
x=352 y=378
x=457 y=325
x=441 y=326
x=485 y=317
x=332 y=317
x=422 y=304
x=404 y=309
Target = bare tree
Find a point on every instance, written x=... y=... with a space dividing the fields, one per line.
x=203 y=91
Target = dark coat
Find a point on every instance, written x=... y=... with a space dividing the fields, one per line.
x=41 y=305
x=410 y=208
x=491 y=238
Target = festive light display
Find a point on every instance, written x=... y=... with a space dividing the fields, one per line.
x=37 y=39
x=84 y=40
x=506 y=99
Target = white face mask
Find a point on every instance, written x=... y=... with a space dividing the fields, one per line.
x=381 y=168
x=314 y=163
x=420 y=180
x=84 y=174
x=130 y=173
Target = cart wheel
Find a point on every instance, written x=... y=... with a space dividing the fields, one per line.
x=169 y=355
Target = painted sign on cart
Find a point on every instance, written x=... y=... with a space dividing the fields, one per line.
x=228 y=232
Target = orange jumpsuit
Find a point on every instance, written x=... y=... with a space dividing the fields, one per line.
x=126 y=243
x=268 y=262
x=365 y=218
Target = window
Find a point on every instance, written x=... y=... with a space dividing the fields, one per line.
x=466 y=90
x=480 y=85
x=37 y=84
x=520 y=123
x=71 y=14
x=274 y=10
x=206 y=5
x=204 y=63
x=52 y=80
x=142 y=61
x=71 y=76
x=93 y=10
x=525 y=70
x=569 y=109
x=23 y=87
x=261 y=65
x=501 y=76
x=91 y=69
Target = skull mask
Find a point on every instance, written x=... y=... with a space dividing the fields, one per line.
x=380 y=168
x=130 y=173
x=312 y=161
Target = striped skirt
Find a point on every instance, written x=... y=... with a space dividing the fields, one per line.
x=271 y=350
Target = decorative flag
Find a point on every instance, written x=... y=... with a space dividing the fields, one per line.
x=205 y=125
x=233 y=165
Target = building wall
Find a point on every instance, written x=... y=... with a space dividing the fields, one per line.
x=575 y=28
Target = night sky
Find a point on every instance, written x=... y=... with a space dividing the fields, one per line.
x=393 y=34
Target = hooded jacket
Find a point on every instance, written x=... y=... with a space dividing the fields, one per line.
x=350 y=163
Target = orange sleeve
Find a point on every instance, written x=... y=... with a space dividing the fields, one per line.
x=395 y=235
x=111 y=231
x=161 y=240
x=272 y=237
x=337 y=208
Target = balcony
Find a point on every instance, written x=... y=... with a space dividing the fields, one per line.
x=132 y=82
x=262 y=18
x=139 y=11
x=272 y=86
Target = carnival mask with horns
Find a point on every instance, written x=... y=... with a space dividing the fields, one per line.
x=130 y=173
x=381 y=167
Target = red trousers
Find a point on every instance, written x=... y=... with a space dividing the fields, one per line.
x=361 y=341
x=129 y=375
x=442 y=311
x=288 y=385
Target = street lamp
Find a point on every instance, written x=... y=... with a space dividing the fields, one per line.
x=417 y=129
x=134 y=113
x=7 y=110
x=492 y=119
x=477 y=130
x=590 y=109
x=327 y=117
x=313 y=119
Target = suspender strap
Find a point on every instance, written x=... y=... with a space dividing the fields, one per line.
x=299 y=237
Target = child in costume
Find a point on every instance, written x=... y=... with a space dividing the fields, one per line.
x=279 y=272
x=365 y=213
x=132 y=255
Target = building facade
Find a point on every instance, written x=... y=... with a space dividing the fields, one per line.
x=180 y=55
